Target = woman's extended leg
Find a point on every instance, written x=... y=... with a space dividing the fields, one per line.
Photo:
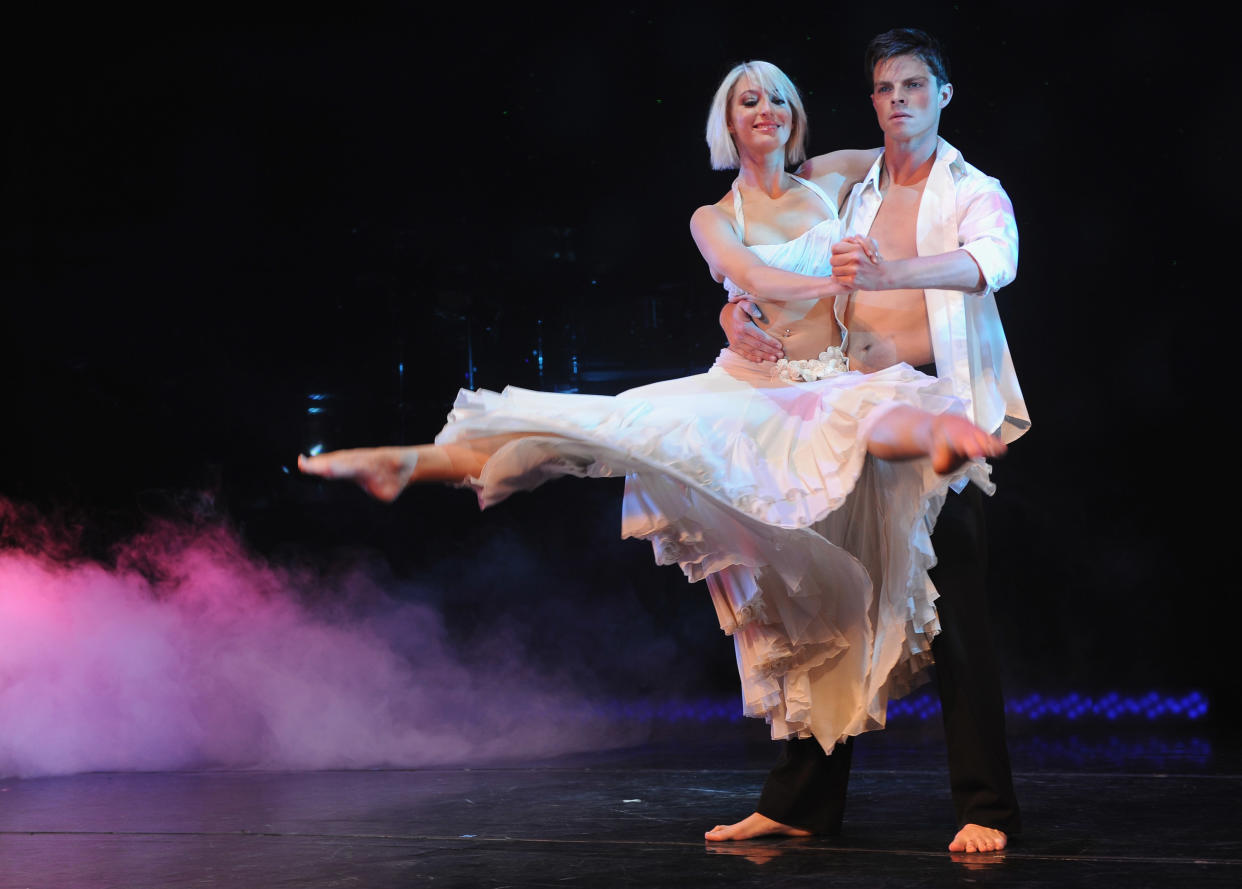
x=385 y=472
x=903 y=433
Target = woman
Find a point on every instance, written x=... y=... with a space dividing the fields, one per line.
x=754 y=476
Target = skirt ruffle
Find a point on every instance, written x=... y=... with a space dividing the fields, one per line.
x=815 y=555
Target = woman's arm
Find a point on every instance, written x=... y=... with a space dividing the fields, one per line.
x=726 y=255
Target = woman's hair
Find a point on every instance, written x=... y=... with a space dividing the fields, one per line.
x=767 y=77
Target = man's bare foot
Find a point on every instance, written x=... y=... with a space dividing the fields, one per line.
x=753 y=825
x=952 y=440
x=976 y=838
x=381 y=472
x=755 y=853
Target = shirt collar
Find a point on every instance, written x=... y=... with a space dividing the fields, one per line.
x=945 y=154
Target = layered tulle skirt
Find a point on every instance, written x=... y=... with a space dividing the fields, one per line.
x=815 y=554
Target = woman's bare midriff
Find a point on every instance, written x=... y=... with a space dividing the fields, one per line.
x=804 y=328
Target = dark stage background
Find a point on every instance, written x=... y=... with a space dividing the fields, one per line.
x=206 y=225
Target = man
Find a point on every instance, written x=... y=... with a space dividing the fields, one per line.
x=946 y=239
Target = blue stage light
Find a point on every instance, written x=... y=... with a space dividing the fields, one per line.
x=1075 y=707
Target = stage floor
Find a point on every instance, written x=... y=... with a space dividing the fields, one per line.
x=1104 y=808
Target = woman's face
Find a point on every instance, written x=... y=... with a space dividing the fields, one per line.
x=758 y=120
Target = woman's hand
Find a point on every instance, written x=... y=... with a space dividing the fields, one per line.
x=856 y=263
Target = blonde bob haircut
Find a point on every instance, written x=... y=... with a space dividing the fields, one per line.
x=772 y=80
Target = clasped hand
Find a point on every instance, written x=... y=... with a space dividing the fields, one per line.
x=856 y=263
x=855 y=266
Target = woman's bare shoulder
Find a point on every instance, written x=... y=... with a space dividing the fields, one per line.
x=715 y=214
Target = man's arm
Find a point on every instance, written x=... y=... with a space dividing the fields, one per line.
x=745 y=337
x=837 y=171
x=945 y=271
x=987 y=258
x=987 y=229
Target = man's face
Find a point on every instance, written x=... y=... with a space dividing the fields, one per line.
x=906 y=97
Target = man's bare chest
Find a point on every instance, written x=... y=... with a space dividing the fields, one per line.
x=896 y=222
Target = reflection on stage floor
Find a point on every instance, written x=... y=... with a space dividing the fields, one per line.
x=1103 y=805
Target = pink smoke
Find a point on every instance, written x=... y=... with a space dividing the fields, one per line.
x=189 y=652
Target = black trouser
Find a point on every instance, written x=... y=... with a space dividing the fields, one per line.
x=807 y=788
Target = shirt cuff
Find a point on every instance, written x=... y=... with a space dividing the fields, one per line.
x=993 y=260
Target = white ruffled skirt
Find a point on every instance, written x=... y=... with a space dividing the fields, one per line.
x=815 y=554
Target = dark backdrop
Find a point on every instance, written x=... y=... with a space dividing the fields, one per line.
x=206 y=224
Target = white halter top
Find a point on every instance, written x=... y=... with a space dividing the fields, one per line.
x=808 y=254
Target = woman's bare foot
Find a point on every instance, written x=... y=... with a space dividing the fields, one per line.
x=952 y=440
x=381 y=472
x=976 y=838
x=906 y=433
x=753 y=825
